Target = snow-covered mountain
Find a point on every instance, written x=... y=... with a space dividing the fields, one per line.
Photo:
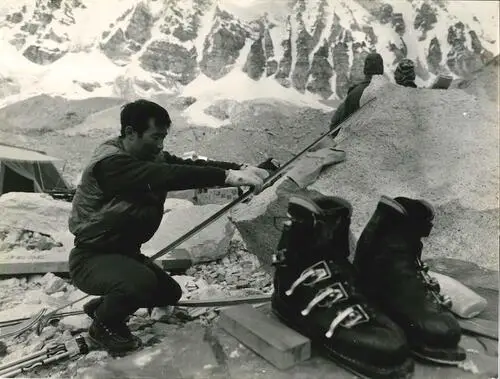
x=301 y=49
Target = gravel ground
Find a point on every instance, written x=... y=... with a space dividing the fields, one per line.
x=438 y=145
x=238 y=274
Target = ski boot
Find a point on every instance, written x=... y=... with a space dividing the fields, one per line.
x=388 y=259
x=315 y=292
x=121 y=328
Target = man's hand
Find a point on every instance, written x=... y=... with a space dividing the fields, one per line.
x=260 y=172
x=244 y=177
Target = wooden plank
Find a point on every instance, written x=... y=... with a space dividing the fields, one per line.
x=31 y=267
x=225 y=301
x=266 y=336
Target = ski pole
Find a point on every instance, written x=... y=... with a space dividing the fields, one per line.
x=47 y=355
x=14 y=372
x=268 y=182
x=30 y=359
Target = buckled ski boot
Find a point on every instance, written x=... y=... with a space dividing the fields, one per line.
x=315 y=292
x=388 y=259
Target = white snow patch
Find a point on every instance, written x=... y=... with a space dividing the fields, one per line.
x=358 y=35
x=329 y=17
x=14 y=64
x=65 y=74
x=486 y=13
x=333 y=82
x=156 y=8
x=63 y=77
x=240 y=62
x=415 y=48
x=206 y=91
x=278 y=34
x=135 y=83
x=293 y=27
x=10 y=6
x=250 y=10
x=310 y=15
x=206 y=25
x=84 y=66
x=344 y=14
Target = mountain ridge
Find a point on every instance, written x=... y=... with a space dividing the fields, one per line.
x=317 y=49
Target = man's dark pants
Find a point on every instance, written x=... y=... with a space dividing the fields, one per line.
x=126 y=283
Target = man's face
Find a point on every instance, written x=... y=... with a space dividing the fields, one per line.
x=150 y=144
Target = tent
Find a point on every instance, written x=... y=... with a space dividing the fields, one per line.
x=24 y=170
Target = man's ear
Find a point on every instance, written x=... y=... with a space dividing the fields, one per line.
x=129 y=131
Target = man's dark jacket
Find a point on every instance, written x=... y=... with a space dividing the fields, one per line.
x=349 y=105
x=118 y=205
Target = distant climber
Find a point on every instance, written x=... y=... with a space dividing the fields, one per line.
x=374 y=65
x=405 y=73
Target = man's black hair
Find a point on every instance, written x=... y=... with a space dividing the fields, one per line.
x=137 y=114
x=374 y=65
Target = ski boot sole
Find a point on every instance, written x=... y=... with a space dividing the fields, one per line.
x=459 y=353
x=361 y=369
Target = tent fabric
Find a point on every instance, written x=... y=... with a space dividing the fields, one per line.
x=13 y=153
x=28 y=171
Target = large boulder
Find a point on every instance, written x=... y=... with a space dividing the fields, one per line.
x=438 y=145
x=35 y=213
x=209 y=244
x=259 y=221
x=33 y=222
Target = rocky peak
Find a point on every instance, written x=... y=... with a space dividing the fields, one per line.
x=462 y=58
x=425 y=19
x=36 y=34
x=319 y=47
x=222 y=45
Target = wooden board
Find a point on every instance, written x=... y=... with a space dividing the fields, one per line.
x=266 y=336
x=177 y=261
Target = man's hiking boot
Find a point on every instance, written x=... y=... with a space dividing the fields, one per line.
x=116 y=339
x=121 y=328
x=315 y=291
x=388 y=259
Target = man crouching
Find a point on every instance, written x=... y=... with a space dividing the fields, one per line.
x=118 y=206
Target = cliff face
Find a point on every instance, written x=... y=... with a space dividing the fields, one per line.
x=319 y=47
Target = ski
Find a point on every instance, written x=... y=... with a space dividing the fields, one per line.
x=479 y=326
x=225 y=301
x=40 y=320
x=25 y=324
x=19 y=320
x=205 y=303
